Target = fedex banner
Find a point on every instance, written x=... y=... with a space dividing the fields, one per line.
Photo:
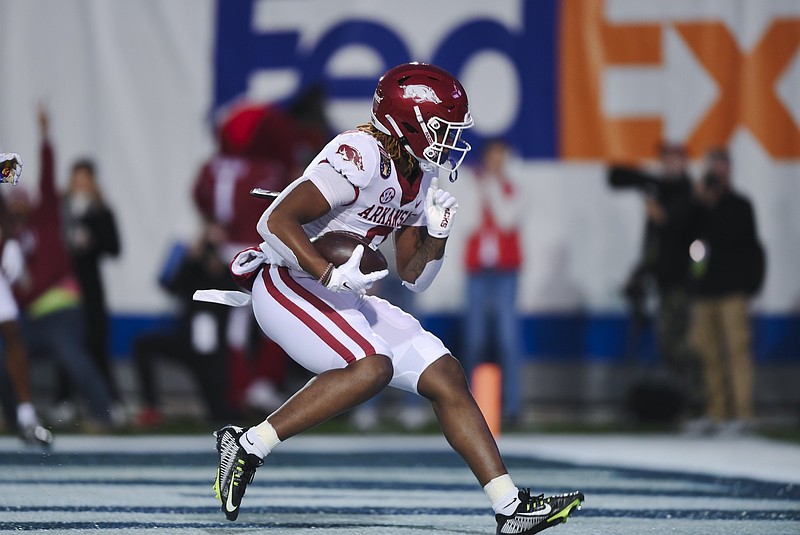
x=575 y=79
x=572 y=84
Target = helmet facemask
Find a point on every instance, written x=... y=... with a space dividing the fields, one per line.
x=447 y=148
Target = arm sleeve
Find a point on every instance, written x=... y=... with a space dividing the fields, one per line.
x=426 y=277
x=336 y=189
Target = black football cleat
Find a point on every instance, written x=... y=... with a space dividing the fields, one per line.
x=537 y=513
x=236 y=470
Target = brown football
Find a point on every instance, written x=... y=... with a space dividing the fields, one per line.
x=337 y=247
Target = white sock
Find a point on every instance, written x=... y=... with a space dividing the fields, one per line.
x=26 y=415
x=260 y=439
x=503 y=494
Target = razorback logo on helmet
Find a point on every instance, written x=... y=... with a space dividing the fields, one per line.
x=421 y=93
x=351 y=154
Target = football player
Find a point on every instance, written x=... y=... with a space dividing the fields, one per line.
x=11 y=270
x=378 y=180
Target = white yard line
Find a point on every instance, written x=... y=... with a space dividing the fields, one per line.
x=750 y=457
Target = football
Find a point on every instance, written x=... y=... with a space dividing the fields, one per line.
x=337 y=247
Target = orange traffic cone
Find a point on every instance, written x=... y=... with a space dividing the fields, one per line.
x=487 y=388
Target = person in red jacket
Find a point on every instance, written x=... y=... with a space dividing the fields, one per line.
x=493 y=260
x=255 y=151
x=48 y=292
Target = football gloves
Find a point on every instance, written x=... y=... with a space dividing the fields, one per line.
x=348 y=276
x=440 y=209
x=10 y=167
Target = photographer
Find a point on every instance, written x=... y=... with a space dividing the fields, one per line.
x=729 y=269
x=196 y=340
x=665 y=263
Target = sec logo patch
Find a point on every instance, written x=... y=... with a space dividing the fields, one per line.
x=387 y=195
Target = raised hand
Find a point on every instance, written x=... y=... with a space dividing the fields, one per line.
x=440 y=209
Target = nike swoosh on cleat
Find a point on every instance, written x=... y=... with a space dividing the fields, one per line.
x=544 y=511
x=229 y=505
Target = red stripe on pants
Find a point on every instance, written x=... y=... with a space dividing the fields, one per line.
x=304 y=316
x=326 y=309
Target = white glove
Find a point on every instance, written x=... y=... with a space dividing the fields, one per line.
x=14 y=169
x=440 y=209
x=348 y=276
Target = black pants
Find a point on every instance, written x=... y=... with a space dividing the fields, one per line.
x=208 y=370
x=95 y=336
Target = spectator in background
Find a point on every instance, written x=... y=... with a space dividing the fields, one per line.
x=90 y=230
x=493 y=260
x=19 y=411
x=729 y=270
x=670 y=213
x=48 y=291
x=197 y=342
x=260 y=146
x=256 y=371
x=669 y=230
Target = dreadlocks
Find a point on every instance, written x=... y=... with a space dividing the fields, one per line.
x=403 y=159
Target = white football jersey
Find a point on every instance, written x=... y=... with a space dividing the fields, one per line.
x=384 y=201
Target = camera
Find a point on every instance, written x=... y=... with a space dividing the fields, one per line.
x=621 y=177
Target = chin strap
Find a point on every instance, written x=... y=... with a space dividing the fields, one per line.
x=454 y=172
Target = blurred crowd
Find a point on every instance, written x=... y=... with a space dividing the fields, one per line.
x=701 y=260
x=53 y=311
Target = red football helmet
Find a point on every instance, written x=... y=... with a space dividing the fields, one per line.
x=425 y=108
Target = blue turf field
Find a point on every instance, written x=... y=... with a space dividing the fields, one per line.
x=396 y=485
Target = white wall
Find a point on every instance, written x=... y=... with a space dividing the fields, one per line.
x=129 y=83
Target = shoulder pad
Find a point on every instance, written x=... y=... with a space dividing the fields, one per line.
x=355 y=155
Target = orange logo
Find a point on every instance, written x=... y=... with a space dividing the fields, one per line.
x=746 y=84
